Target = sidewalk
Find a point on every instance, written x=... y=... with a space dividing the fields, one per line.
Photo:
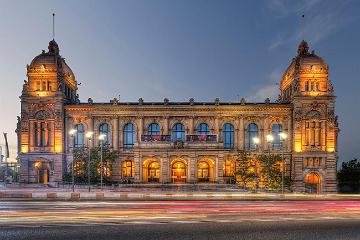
x=120 y=194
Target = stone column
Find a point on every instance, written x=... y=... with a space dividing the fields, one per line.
x=166 y=126
x=138 y=167
x=241 y=134
x=216 y=126
x=115 y=132
x=220 y=166
x=140 y=129
x=193 y=168
x=32 y=134
x=191 y=125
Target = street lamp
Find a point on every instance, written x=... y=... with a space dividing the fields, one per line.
x=101 y=138
x=256 y=142
x=72 y=135
x=89 y=137
x=269 y=139
x=283 y=137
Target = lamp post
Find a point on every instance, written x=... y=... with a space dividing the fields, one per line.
x=269 y=139
x=256 y=142
x=72 y=134
x=283 y=136
x=89 y=137
x=101 y=138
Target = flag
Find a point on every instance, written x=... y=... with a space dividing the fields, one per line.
x=6 y=146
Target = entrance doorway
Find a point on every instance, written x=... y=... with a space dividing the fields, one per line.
x=312 y=183
x=154 y=172
x=42 y=169
x=178 y=172
x=205 y=171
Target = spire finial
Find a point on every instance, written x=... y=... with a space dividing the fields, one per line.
x=53 y=26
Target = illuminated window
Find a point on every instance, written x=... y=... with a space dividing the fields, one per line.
x=178 y=132
x=79 y=135
x=203 y=129
x=228 y=135
x=276 y=130
x=228 y=168
x=307 y=86
x=104 y=129
x=154 y=129
x=127 y=169
x=252 y=132
x=129 y=135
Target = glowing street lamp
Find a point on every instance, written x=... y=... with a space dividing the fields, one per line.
x=269 y=139
x=283 y=137
x=256 y=141
x=72 y=135
x=89 y=135
x=101 y=138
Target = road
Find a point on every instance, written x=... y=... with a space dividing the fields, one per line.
x=180 y=220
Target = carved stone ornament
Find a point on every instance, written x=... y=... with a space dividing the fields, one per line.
x=242 y=101
x=267 y=100
x=90 y=101
x=42 y=115
x=141 y=101
x=166 y=101
x=298 y=115
x=217 y=101
x=178 y=144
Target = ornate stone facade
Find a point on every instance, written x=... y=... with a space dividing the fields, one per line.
x=180 y=142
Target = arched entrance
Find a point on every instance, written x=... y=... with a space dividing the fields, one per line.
x=152 y=171
x=178 y=172
x=205 y=171
x=312 y=183
x=42 y=172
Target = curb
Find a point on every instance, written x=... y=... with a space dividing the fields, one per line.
x=108 y=196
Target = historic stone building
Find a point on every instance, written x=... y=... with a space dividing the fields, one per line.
x=180 y=142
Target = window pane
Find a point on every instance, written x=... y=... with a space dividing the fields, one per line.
x=105 y=130
x=129 y=135
x=154 y=129
x=228 y=135
x=203 y=129
x=178 y=132
x=252 y=132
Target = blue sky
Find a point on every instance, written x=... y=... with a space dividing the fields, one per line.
x=182 y=49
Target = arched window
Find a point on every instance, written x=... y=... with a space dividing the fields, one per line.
x=129 y=135
x=252 y=132
x=127 y=168
x=203 y=129
x=79 y=136
x=104 y=129
x=228 y=135
x=178 y=132
x=276 y=130
x=154 y=129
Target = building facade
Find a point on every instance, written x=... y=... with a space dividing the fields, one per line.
x=180 y=142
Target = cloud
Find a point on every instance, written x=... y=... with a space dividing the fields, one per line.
x=270 y=90
x=321 y=20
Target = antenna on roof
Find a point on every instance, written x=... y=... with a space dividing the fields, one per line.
x=302 y=27
x=53 y=32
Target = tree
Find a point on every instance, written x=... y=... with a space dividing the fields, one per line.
x=81 y=157
x=245 y=171
x=349 y=176
x=271 y=167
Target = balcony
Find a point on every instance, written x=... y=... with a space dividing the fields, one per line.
x=155 y=138
x=195 y=138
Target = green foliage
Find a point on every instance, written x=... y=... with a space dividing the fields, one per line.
x=271 y=172
x=245 y=171
x=349 y=176
x=81 y=158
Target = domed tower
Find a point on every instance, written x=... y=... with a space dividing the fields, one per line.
x=51 y=84
x=306 y=85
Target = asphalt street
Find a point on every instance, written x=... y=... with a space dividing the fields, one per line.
x=180 y=220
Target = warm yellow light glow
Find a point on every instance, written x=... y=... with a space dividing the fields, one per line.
x=269 y=138
x=89 y=135
x=330 y=149
x=37 y=164
x=24 y=148
x=102 y=137
x=283 y=135
x=41 y=93
x=256 y=140
x=297 y=146
x=72 y=132
x=58 y=148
